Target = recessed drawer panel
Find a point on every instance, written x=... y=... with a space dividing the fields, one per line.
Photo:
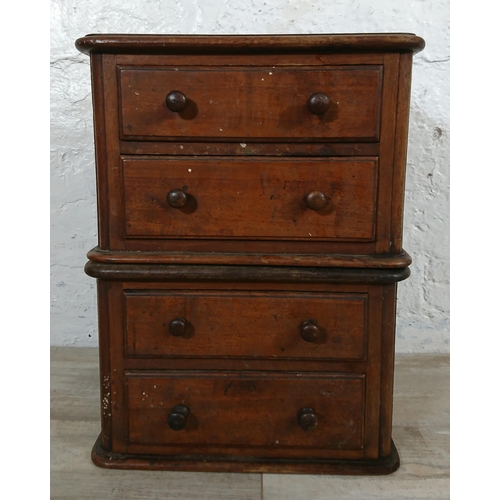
x=229 y=198
x=304 y=410
x=219 y=324
x=339 y=102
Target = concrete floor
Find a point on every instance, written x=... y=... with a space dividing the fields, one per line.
x=421 y=433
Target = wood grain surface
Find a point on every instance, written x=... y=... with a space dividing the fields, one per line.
x=274 y=317
x=246 y=409
x=251 y=103
x=250 y=198
x=382 y=261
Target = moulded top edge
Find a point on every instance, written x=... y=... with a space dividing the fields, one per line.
x=247 y=44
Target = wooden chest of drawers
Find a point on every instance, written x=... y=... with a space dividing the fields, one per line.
x=250 y=203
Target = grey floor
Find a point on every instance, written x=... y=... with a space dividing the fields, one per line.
x=421 y=433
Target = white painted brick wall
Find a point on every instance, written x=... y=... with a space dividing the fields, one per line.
x=423 y=315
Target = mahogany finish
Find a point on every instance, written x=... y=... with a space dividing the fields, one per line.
x=250 y=201
x=249 y=44
x=216 y=273
x=290 y=199
x=202 y=327
x=243 y=409
x=381 y=261
x=251 y=103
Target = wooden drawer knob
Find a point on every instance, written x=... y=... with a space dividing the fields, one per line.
x=318 y=103
x=178 y=417
x=316 y=200
x=177 y=327
x=177 y=198
x=309 y=331
x=176 y=101
x=307 y=419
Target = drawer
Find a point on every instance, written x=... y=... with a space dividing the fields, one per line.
x=238 y=409
x=250 y=324
x=229 y=198
x=251 y=103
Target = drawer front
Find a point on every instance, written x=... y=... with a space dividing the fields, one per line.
x=260 y=325
x=233 y=409
x=252 y=103
x=228 y=198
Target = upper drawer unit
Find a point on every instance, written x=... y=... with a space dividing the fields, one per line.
x=258 y=103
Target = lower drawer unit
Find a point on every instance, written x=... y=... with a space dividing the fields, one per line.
x=203 y=369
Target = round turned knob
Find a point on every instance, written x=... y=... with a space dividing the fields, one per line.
x=177 y=198
x=318 y=103
x=178 y=417
x=177 y=327
x=316 y=200
x=307 y=419
x=309 y=331
x=176 y=101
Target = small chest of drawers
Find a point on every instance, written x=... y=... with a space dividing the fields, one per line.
x=250 y=204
